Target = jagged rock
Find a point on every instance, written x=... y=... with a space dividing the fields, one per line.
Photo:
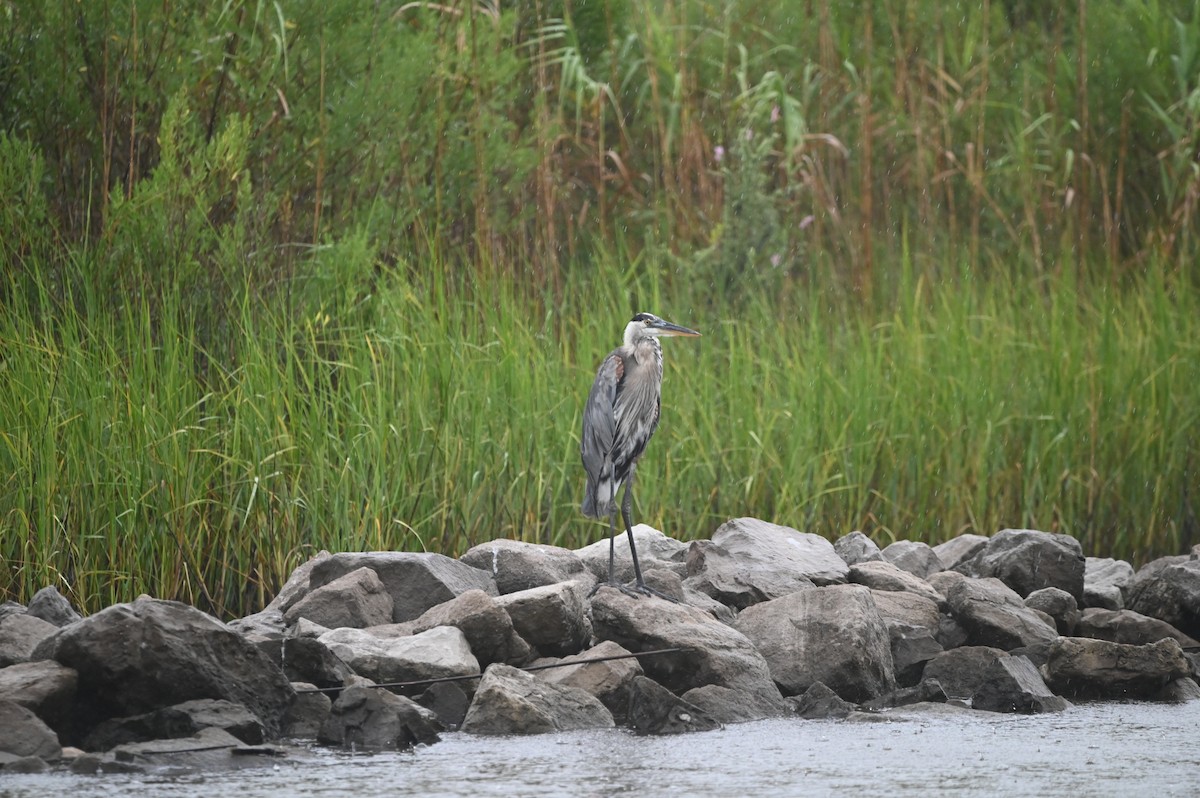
x=666 y=582
x=736 y=581
x=52 y=607
x=1170 y=592
x=10 y=607
x=1105 y=581
x=435 y=654
x=610 y=681
x=1127 y=626
x=44 y=687
x=297 y=585
x=510 y=701
x=655 y=550
x=357 y=600
x=1013 y=684
x=23 y=733
x=448 y=701
x=1027 y=560
x=856 y=548
x=308 y=712
x=712 y=652
x=20 y=634
x=723 y=705
x=960 y=549
x=960 y=670
x=552 y=618
x=378 y=720
x=1086 y=668
x=912 y=647
x=517 y=565
x=950 y=632
x=831 y=634
x=653 y=709
x=484 y=622
x=305 y=659
x=208 y=750
x=883 y=575
x=181 y=720
x=942 y=581
x=928 y=691
x=773 y=549
x=820 y=702
x=909 y=609
x=1059 y=605
x=265 y=625
x=138 y=657
x=1179 y=691
x=416 y=581
x=994 y=615
x=913 y=556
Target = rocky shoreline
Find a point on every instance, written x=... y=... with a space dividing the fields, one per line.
x=386 y=650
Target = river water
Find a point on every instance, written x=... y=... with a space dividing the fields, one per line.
x=1115 y=749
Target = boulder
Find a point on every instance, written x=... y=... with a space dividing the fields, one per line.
x=517 y=565
x=138 y=657
x=207 y=750
x=711 y=652
x=265 y=625
x=736 y=581
x=959 y=549
x=20 y=634
x=357 y=600
x=484 y=622
x=1179 y=691
x=820 y=702
x=1013 y=684
x=52 y=607
x=416 y=581
x=887 y=576
x=856 y=548
x=907 y=609
x=1170 y=592
x=44 y=687
x=1105 y=582
x=448 y=701
x=1027 y=560
x=913 y=624
x=510 y=701
x=960 y=670
x=1084 y=668
x=23 y=733
x=994 y=615
x=308 y=712
x=378 y=720
x=609 y=680
x=831 y=634
x=306 y=659
x=723 y=705
x=181 y=720
x=297 y=585
x=655 y=550
x=913 y=556
x=1127 y=626
x=653 y=709
x=552 y=619
x=1059 y=605
x=435 y=654
x=774 y=551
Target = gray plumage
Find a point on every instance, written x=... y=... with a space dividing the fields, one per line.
x=619 y=418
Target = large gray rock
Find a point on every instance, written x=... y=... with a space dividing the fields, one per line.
x=653 y=709
x=377 y=720
x=52 y=607
x=510 y=701
x=736 y=581
x=819 y=702
x=297 y=585
x=357 y=600
x=884 y=575
x=138 y=657
x=1169 y=591
x=485 y=623
x=1013 y=684
x=517 y=565
x=307 y=659
x=23 y=733
x=1086 y=668
x=1027 y=560
x=416 y=581
x=20 y=634
x=265 y=625
x=914 y=628
x=775 y=550
x=45 y=687
x=856 y=548
x=1105 y=582
x=206 y=751
x=994 y=615
x=552 y=618
x=960 y=671
x=959 y=549
x=732 y=706
x=1127 y=626
x=712 y=652
x=913 y=556
x=655 y=550
x=307 y=713
x=609 y=680
x=181 y=720
x=831 y=634
x=1059 y=605
x=435 y=654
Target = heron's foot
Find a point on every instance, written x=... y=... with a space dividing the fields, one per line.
x=626 y=589
x=645 y=589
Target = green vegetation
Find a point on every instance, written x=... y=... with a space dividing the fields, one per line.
x=289 y=276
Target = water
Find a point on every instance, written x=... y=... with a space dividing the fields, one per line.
x=1092 y=750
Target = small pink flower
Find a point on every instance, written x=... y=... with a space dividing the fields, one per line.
x=718 y=153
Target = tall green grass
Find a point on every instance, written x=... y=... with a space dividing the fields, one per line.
x=439 y=412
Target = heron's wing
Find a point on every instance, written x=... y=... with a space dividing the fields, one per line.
x=599 y=416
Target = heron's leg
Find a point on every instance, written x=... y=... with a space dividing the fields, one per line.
x=626 y=511
x=612 y=554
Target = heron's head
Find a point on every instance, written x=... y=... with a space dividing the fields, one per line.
x=647 y=325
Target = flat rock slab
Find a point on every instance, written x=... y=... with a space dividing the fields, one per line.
x=1084 y=668
x=1127 y=626
x=773 y=549
x=435 y=654
x=517 y=565
x=1027 y=560
x=883 y=575
x=994 y=615
x=181 y=720
x=510 y=701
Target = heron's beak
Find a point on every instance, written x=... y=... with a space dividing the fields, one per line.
x=667 y=328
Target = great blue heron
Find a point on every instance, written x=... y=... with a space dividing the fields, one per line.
x=620 y=416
